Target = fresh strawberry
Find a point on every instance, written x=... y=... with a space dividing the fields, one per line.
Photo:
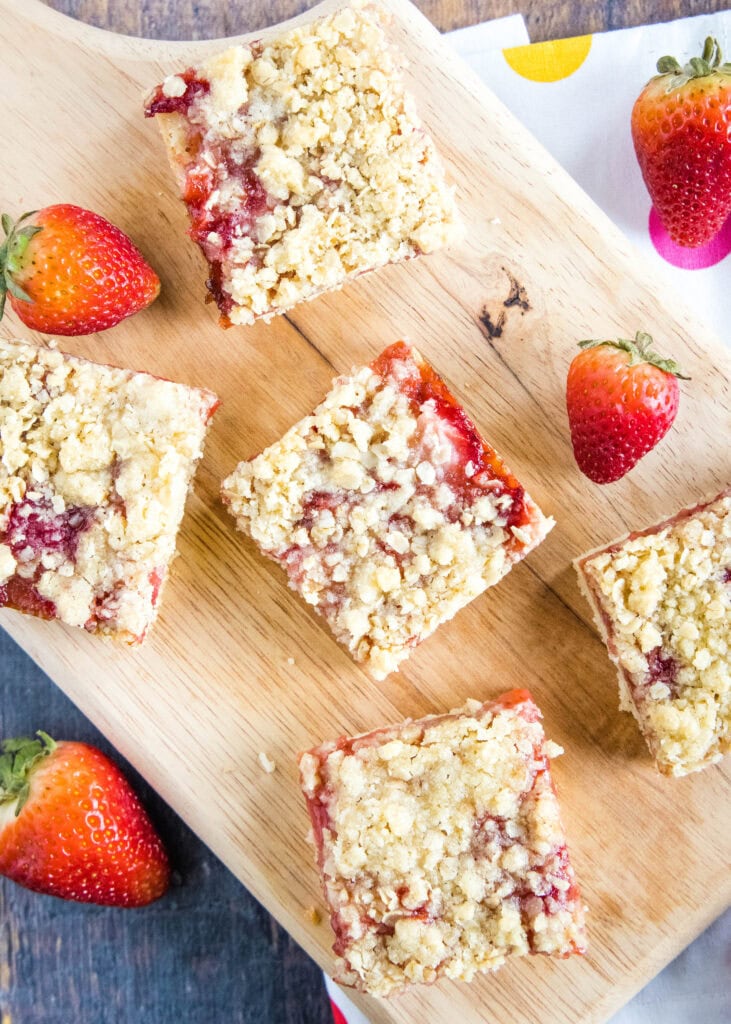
x=680 y=128
x=621 y=399
x=69 y=271
x=70 y=826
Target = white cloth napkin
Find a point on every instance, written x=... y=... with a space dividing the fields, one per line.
x=583 y=121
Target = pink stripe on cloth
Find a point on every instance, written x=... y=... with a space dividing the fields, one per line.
x=338 y=1017
x=344 y=1012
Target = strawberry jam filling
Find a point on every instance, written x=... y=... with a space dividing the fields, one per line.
x=662 y=668
x=215 y=167
x=34 y=530
x=159 y=103
x=215 y=229
x=21 y=594
x=476 y=467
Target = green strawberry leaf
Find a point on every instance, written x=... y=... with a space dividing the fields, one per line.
x=640 y=351
x=668 y=66
x=17 y=246
x=17 y=238
x=15 y=290
x=700 y=67
x=25 y=216
x=17 y=760
x=697 y=67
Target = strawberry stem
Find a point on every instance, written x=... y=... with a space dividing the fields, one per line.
x=640 y=351
x=697 y=67
x=18 y=758
x=17 y=236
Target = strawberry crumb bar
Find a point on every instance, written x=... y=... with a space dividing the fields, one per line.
x=386 y=508
x=302 y=163
x=661 y=598
x=440 y=846
x=95 y=467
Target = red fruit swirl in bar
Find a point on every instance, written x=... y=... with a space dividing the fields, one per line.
x=476 y=465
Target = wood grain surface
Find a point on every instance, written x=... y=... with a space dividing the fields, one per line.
x=424 y=689
x=545 y=19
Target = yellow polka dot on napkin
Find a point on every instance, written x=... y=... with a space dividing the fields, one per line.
x=550 y=61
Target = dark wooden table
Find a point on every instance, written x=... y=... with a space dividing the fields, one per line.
x=207 y=951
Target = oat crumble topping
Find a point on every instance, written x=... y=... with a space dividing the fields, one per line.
x=662 y=600
x=387 y=510
x=95 y=467
x=303 y=163
x=440 y=846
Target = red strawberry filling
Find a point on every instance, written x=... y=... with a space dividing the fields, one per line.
x=476 y=467
x=214 y=228
x=33 y=530
x=663 y=668
x=162 y=104
x=157 y=577
x=21 y=594
x=213 y=168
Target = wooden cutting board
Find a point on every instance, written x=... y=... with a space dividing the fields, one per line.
x=237 y=663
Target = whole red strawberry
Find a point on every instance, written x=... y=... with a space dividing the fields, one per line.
x=69 y=271
x=681 y=125
x=70 y=826
x=621 y=398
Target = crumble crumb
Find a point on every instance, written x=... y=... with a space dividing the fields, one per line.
x=266 y=763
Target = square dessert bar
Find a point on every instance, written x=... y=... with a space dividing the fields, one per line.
x=386 y=508
x=440 y=846
x=95 y=467
x=661 y=598
x=302 y=163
